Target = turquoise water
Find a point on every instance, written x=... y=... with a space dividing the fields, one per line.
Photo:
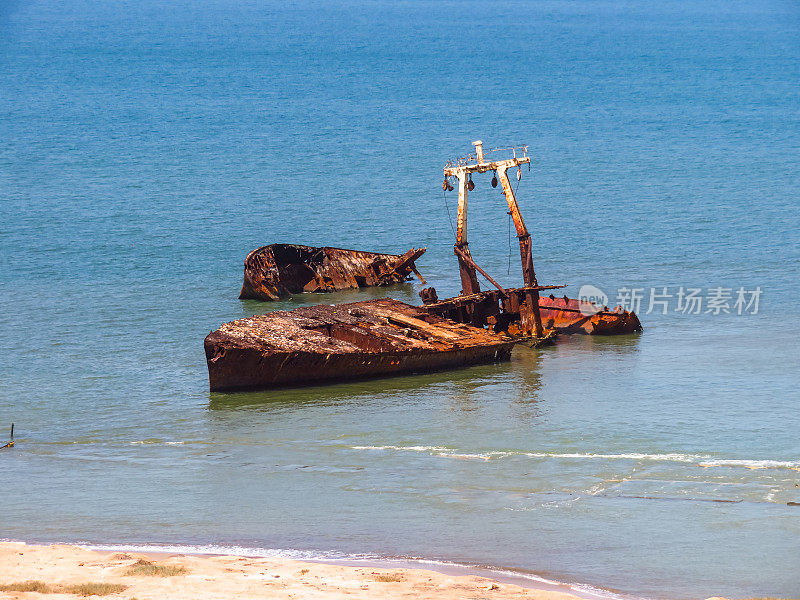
x=147 y=146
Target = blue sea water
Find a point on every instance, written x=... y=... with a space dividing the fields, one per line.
x=146 y=147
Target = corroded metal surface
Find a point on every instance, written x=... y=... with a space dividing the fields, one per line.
x=279 y=270
x=345 y=341
x=568 y=315
x=501 y=310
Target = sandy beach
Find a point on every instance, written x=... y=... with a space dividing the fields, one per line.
x=61 y=571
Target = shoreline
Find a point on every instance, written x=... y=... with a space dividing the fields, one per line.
x=213 y=573
x=529 y=581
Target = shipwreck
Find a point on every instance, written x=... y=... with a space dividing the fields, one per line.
x=345 y=341
x=280 y=270
x=377 y=338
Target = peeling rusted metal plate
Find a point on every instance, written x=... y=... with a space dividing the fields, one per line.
x=373 y=338
x=279 y=270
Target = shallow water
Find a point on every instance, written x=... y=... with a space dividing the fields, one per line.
x=144 y=152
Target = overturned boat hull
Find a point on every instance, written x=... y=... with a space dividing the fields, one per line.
x=374 y=338
x=279 y=270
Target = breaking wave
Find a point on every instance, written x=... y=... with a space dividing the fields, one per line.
x=701 y=460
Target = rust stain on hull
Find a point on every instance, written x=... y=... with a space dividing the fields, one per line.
x=347 y=341
x=279 y=270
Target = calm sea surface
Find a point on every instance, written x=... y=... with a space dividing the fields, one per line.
x=146 y=146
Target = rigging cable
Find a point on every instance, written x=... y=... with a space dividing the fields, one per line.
x=509 y=228
x=509 y=242
x=449 y=216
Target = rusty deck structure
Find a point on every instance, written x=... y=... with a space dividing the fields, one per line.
x=280 y=270
x=560 y=315
x=315 y=344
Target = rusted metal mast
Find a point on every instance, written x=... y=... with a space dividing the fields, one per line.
x=469 y=279
x=462 y=170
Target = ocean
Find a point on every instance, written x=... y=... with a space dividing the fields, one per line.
x=146 y=147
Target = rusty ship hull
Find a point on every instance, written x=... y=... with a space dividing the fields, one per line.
x=280 y=270
x=568 y=315
x=315 y=344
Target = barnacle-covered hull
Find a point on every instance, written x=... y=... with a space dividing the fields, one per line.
x=279 y=270
x=374 y=338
